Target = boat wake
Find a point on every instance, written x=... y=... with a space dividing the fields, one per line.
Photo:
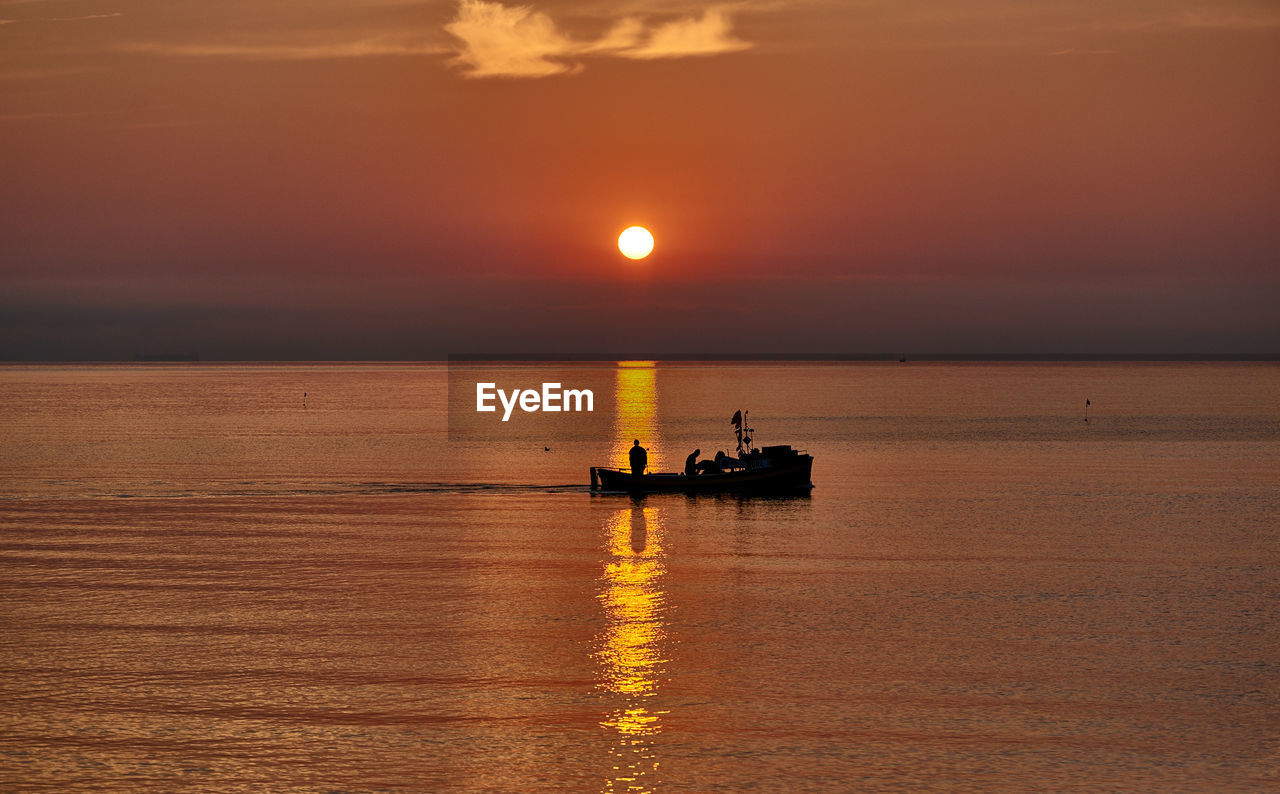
x=261 y=489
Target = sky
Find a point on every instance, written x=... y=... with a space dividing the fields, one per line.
x=378 y=179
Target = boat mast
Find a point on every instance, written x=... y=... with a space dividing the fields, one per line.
x=742 y=432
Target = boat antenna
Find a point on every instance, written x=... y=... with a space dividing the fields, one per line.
x=741 y=431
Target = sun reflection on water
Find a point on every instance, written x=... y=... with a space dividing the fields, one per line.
x=630 y=652
x=636 y=398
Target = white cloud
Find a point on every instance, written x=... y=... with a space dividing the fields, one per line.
x=711 y=34
x=508 y=41
x=517 y=41
x=625 y=34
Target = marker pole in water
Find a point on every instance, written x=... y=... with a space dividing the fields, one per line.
x=1086 y=409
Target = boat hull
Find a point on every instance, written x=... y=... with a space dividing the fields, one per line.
x=789 y=475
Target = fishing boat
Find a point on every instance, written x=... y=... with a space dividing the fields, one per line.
x=769 y=469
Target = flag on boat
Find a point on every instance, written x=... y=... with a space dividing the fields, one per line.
x=736 y=421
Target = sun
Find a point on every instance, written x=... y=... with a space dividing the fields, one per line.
x=635 y=242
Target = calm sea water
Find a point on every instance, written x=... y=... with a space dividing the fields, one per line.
x=208 y=582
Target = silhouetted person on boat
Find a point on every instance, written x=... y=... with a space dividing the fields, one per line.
x=639 y=458
x=691 y=463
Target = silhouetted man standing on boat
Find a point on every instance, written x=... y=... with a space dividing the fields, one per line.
x=639 y=458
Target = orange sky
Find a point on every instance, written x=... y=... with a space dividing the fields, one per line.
x=360 y=179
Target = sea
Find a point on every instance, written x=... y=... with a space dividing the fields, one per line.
x=325 y=577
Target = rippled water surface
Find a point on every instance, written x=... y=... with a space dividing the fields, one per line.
x=211 y=582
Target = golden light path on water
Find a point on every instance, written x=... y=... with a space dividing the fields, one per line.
x=631 y=646
x=630 y=649
x=636 y=398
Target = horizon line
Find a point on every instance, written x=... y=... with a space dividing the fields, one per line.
x=687 y=357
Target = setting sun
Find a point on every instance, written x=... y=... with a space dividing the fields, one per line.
x=635 y=242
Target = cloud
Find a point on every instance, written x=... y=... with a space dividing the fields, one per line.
x=625 y=34
x=711 y=34
x=286 y=52
x=112 y=15
x=517 y=41
x=502 y=41
x=1222 y=19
